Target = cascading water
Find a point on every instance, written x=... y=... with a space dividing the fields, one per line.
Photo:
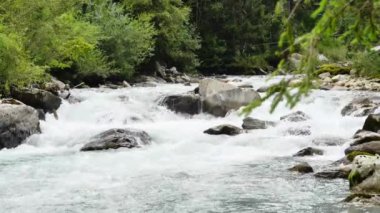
x=183 y=170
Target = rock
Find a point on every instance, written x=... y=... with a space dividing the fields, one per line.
x=173 y=71
x=160 y=70
x=264 y=88
x=17 y=122
x=220 y=103
x=352 y=155
x=196 y=90
x=145 y=84
x=295 y=117
x=126 y=84
x=188 y=103
x=363 y=198
x=365 y=175
x=302 y=168
x=341 y=78
x=246 y=86
x=252 y=123
x=224 y=130
x=298 y=131
x=324 y=75
x=365 y=137
x=149 y=79
x=38 y=99
x=360 y=107
x=118 y=138
x=328 y=141
x=208 y=87
x=55 y=86
x=333 y=174
x=41 y=114
x=372 y=123
x=370 y=147
x=308 y=152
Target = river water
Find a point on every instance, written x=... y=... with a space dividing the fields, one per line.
x=183 y=170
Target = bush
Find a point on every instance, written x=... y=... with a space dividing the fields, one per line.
x=367 y=64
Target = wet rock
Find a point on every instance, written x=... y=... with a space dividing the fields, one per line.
x=222 y=102
x=370 y=147
x=38 y=99
x=328 y=141
x=188 y=103
x=302 y=168
x=208 y=87
x=118 y=138
x=363 y=198
x=365 y=137
x=252 y=123
x=372 y=123
x=308 y=152
x=263 y=88
x=295 y=117
x=333 y=174
x=224 y=130
x=360 y=107
x=41 y=114
x=17 y=122
x=55 y=86
x=298 y=131
x=150 y=80
x=365 y=175
x=246 y=86
x=145 y=84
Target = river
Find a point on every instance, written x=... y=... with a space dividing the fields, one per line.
x=183 y=170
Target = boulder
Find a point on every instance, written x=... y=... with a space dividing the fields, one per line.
x=264 y=88
x=55 y=86
x=295 y=117
x=302 y=168
x=118 y=138
x=38 y=99
x=333 y=174
x=224 y=130
x=17 y=122
x=252 y=123
x=308 y=152
x=208 y=87
x=372 y=123
x=370 y=147
x=365 y=137
x=324 y=75
x=365 y=175
x=360 y=107
x=188 y=103
x=220 y=103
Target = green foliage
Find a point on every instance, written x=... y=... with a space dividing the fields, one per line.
x=354 y=178
x=126 y=41
x=15 y=67
x=176 y=41
x=367 y=63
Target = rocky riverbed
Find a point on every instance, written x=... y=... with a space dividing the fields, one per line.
x=185 y=147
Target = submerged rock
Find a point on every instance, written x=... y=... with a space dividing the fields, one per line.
x=298 y=131
x=224 y=130
x=372 y=123
x=333 y=174
x=17 y=122
x=295 y=117
x=252 y=123
x=118 y=138
x=308 y=152
x=328 y=141
x=188 y=103
x=302 y=168
x=38 y=99
x=360 y=107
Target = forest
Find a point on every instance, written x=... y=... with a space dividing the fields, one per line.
x=94 y=41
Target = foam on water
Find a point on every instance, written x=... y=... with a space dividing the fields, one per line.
x=183 y=170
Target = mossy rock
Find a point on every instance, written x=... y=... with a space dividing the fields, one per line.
x=354 y=179
x=353 y=154
x=333 y=69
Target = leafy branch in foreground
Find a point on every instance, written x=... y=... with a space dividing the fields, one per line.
x=360 y=32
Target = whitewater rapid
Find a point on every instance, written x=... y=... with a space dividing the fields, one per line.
x=183 y=170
